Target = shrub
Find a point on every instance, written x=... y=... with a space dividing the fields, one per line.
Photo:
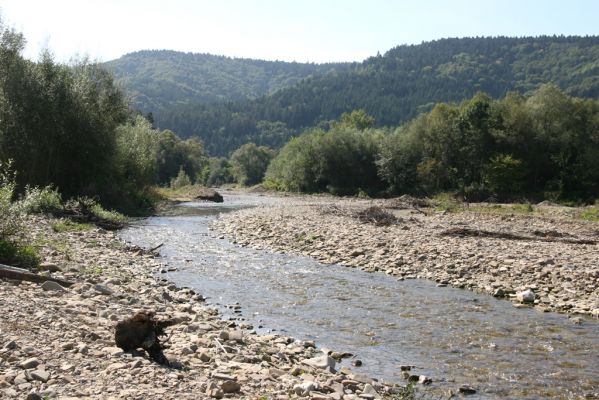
x=181 y=180
x=17 y=254
x=42 y=200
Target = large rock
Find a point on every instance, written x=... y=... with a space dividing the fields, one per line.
x=52 y=286
x=526 y=296
x=29 y=363
x=40 y=375
x=323 y=362
x=230 y=387
x=304 y=388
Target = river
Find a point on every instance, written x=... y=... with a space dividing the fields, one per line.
x=454 y=336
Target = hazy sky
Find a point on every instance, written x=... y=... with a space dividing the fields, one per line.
x=299 y=30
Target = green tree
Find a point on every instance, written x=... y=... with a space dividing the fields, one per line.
x=249 y=163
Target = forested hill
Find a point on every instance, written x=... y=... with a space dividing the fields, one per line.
x=159 y=79
x=394 y=87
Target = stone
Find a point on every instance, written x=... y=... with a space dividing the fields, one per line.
x=52 y=286
x=322 y=362
x=186 y=351
x=466 y=390
x=236 y=335
x=369 y=389
x=230 y=387
x=204 y=357
x=113 y=351
x=29 y=363
x=526 y=296
x=49 y=266
x=116 y=366
x=216 y=393
x=10 y=345
x=102 y=289
x=40 y=375
x=304 y=388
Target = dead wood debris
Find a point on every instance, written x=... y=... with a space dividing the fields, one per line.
x=377 y=216
x=144 y=331
x=551 y=236
x=20 y=274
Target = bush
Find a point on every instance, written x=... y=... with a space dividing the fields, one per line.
x=12 y=213
x=19 y=255
x=181 y=180
x=41 y=200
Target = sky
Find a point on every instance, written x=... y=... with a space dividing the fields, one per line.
x=300 y=30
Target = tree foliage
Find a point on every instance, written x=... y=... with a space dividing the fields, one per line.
x=249 y=163
x=394 y=88
x=70 y=126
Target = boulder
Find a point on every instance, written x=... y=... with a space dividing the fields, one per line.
x=323 y=362
x=526 y=296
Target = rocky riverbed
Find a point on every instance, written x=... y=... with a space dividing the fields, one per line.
x=547 y=260
x=58 y=342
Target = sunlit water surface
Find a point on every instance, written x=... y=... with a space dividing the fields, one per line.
x=454 y=336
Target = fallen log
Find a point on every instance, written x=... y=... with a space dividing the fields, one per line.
x=553 y=237
x=20 y=274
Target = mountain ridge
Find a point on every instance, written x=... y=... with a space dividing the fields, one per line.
x=394 y=87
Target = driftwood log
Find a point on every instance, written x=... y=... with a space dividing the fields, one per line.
x=8 y=272
x=144 y=331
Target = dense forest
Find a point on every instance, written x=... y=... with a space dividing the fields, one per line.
x=541 y=146
x=394 y=87
x=159 y=80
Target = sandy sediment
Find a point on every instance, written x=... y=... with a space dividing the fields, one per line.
x=59 y=342
x=550 y=261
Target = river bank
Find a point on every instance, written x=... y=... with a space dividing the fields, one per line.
x=59 y=342
x=548 y=260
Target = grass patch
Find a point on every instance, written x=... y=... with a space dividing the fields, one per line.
x=447 y=201
x=93 y=270
x=501 y=209
x=590 y=214
x=188 y=193
x=108 y=215
x=65 y=225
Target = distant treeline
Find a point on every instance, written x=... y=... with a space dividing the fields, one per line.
x=541 y=146
x=394 y=88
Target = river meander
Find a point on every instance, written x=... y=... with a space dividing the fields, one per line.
x=454 y=336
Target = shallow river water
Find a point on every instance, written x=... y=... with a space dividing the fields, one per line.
x=454 y=336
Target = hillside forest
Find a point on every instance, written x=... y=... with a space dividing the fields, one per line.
x=394 y=88
x=534 y=134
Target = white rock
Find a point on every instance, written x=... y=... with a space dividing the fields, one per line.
x=527 y=296
x=40 y=375
x=323 y=362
